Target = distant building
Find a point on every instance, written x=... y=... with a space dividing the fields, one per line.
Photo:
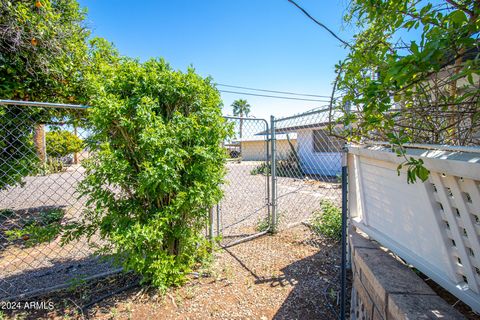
x=254 y=148
x=319 y=153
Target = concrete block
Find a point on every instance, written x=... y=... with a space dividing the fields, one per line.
x=356 y=241
x=365 y=303
x=412 y=306
x=381 y=275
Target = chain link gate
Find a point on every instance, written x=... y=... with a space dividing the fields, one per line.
x=279 y=176
x=244 y=212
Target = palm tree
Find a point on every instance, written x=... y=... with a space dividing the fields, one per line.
x=241 y=109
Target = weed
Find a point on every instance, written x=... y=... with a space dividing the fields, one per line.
x=328 y=221
x=43 y=228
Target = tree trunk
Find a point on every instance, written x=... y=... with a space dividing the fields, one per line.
x=39 y=141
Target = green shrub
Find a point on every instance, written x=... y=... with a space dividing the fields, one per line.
x=157 y=166
x=328 y=221
x=61 y=143
x=263 y=224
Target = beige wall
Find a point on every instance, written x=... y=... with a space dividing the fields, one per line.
x=255 y=150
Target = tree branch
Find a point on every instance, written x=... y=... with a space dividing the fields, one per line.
x=319 y=23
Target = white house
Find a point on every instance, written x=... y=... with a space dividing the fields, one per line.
x=319 y=153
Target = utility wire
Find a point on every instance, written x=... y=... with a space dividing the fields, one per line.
x=273 y=91
x=319 y=23
x=269 y=96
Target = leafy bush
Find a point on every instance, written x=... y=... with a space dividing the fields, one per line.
x=61 y=143
x=156 y=168
x=328 y=221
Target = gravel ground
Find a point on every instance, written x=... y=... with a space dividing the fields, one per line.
x=291 y=275
x=244 y=206
x=245 y=200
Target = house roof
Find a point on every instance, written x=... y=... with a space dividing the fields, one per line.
x=315 y=118
x=263 y=137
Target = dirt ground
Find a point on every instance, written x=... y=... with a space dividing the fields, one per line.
x=291 y=275
x=243 y=208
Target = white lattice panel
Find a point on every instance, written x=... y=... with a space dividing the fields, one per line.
x=433 y=225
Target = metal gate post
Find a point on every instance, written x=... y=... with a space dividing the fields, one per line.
x=343 y=276
x=267 y=161
x=273 y=221
x=210 y=224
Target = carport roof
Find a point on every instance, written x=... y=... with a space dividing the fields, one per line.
x=263 y=137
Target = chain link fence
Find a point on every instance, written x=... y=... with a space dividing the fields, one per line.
x=308 y=166
x=40 y=168
x=42 y=147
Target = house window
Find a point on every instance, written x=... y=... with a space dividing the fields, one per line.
x=324 y=143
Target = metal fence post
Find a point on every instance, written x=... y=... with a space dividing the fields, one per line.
x=267 y=161
x=343 y=279
x=210 y=224
x=218 y=220
x=273 y=221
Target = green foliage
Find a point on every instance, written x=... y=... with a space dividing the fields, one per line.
x=61 y=143
x=45 y=55
x=289 y=167
x=422 y=90
x=262 y=168
x=263 y=224
x=43 y=228
x=328 y=221
x=51 y=165
x=157 y=166
x=42 y=49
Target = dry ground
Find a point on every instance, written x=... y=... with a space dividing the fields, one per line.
x=291 y=275
x=244 y=206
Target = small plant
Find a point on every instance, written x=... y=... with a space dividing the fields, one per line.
x=290 y=167
x=44 y=228
x=262 y=168
x=265 y=224
x=328 y=221
x=52 y=165
x=5 y=214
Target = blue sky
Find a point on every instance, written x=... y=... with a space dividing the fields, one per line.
x=253 y=43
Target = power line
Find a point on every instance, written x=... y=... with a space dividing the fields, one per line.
x=319 y=23
x=273 y=91
x=269 y=96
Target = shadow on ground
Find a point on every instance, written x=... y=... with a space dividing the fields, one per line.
x=315 y=281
